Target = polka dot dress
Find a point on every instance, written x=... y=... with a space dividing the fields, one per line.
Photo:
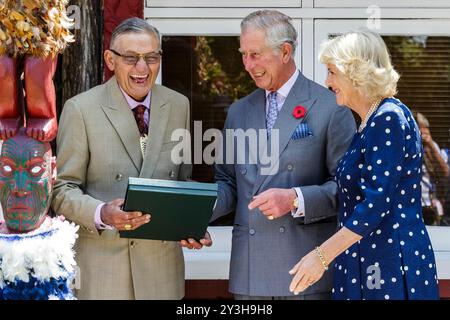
x=379 y=198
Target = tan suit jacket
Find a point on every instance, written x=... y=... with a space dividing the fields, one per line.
x=98 y=150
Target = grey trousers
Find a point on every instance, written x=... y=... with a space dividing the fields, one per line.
x=314 y=296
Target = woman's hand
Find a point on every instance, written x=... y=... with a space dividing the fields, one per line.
x=306 y=272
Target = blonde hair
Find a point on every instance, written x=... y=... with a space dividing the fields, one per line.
x=363 y=58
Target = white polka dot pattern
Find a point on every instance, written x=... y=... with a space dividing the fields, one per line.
x=378 y=196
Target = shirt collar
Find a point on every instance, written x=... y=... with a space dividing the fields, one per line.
x=287 y=86
x=133 y=103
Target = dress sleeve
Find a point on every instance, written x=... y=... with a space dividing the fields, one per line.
x=381 y=171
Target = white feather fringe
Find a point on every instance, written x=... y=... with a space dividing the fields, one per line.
x=44 y=253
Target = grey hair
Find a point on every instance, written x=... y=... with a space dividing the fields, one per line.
x=422 y=120
x=277 y=26
x=136 y=25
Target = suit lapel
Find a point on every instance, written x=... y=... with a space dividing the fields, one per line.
x=122 y=119
x=159 y=117
x=286 y=123
x=256 y=117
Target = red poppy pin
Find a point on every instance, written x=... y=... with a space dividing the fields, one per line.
x=299 y=112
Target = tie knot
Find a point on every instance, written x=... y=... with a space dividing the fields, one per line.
x=139 y=110
x=273 y=95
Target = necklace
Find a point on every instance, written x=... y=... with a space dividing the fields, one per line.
x=371 y=110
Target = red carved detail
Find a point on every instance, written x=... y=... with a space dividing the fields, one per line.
x=9 y=107
x=41 y=98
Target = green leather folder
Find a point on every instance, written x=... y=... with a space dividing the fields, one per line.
x=179 y=209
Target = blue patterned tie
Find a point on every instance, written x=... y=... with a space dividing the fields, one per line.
x=273 y=112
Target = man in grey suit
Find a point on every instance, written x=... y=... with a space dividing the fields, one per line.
x=101 y=143
x=284 y=212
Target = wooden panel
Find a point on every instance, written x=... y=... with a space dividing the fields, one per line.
x=207 y=289
x=80 y=66
x=218 y=289
x=444 y=289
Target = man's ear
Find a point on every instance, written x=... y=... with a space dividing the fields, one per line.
x=109 y=60
x=54 y=173
x=286 y=52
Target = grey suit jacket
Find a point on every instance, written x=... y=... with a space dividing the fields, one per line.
x=98 y=150
x=263 y=251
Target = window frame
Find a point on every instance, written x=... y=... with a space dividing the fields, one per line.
x=407 y=27
x=222 y=3
x=381 y=4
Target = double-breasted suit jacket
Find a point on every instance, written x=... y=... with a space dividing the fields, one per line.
x=263 y=251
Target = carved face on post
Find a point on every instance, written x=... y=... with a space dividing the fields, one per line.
x=27 y=173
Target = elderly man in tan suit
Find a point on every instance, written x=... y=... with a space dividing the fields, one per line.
x=99 y=147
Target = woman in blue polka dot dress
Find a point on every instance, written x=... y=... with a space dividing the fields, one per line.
x=382 y=249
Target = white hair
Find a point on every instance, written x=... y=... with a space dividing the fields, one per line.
x=363 y=58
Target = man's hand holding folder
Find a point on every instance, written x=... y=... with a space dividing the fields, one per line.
x=111 y=214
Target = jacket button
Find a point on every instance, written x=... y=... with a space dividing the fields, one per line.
x=132 y=243
x=252 y=232
x=244 y=171
x=119 y=177
x=290 y=167
x=282 y=229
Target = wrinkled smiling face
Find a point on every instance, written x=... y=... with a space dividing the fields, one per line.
x=264 y=64
x=26 y=180
x=136 y=80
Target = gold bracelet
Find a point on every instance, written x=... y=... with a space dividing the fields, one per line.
x=322 y=259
